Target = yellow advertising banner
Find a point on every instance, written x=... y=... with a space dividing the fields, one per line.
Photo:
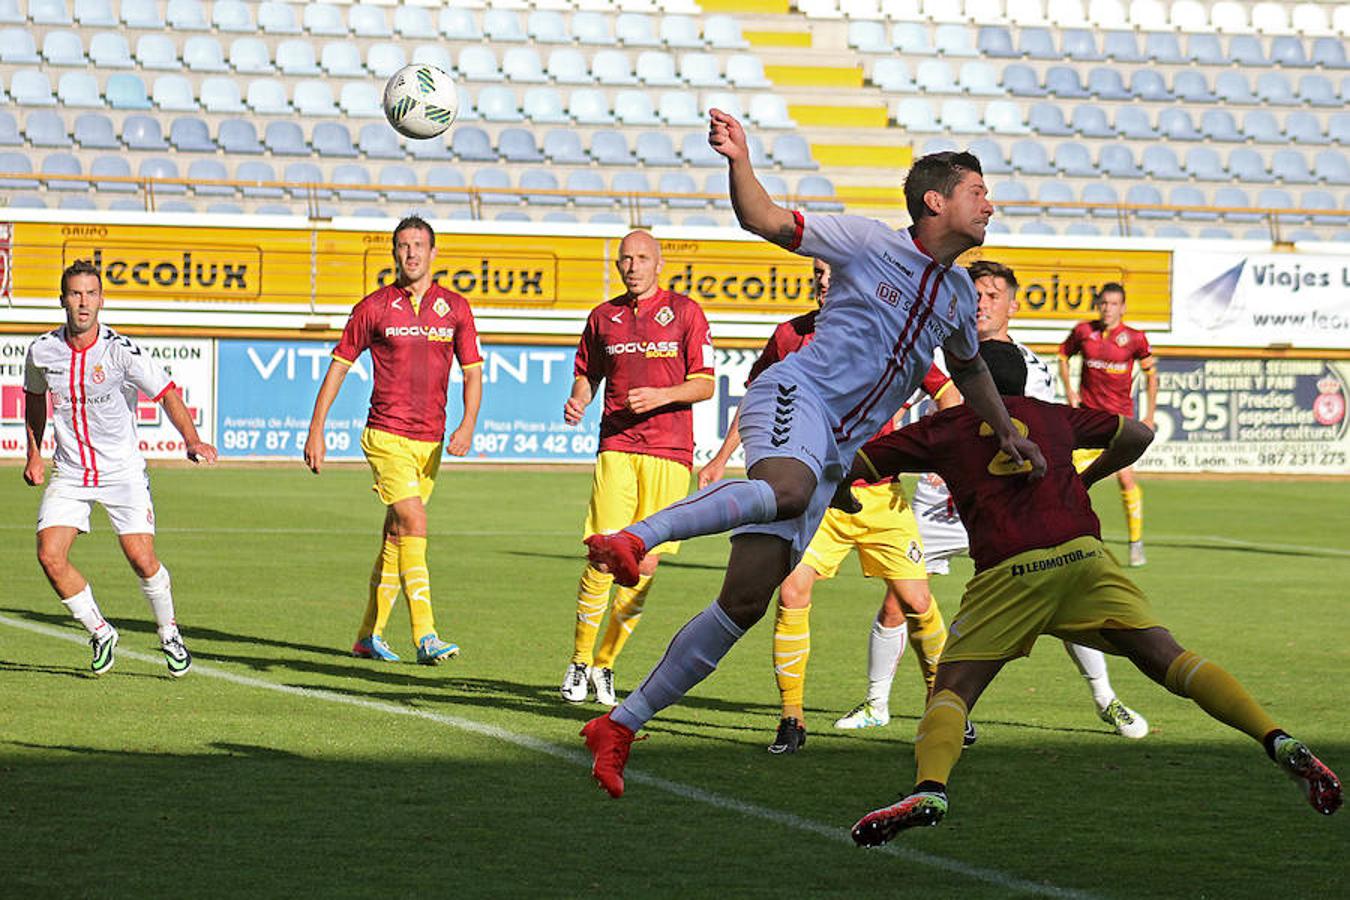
x=1061 y=285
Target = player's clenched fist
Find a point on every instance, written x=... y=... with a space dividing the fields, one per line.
x=726 y=135
x=645 y=399
x=314 y=451
x=35 y=472
x=573 y=411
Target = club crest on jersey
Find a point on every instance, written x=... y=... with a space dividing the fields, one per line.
x=99 y=375
x=951 y=307
x=1122 y=339
x=888 y=293
x=664 y=316
x=915 y=553
x=441 y=307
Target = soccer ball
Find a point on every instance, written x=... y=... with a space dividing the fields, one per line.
x=420 y=101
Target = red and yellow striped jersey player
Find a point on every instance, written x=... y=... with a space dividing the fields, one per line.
x=652 y=349
x=415 y=331
x=1110 y=348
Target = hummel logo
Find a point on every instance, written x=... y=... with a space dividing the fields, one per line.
x=617 y=317
x=395 y=303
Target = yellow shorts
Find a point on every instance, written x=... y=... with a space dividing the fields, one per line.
x=1082 y=458
x=403 y=467
x=1071 y=591
x=884 y=533
x=627 y=487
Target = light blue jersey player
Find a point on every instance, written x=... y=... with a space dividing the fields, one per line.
x=894 y=300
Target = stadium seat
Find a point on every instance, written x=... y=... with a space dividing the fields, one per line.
x=1132 y=122
x=1303 y=129
x=723 y=33
x=1329 y=53
x=1047 y=120
x=1004 y=117
x=477 y=63
x=497 y=103
x=680 y=32
x=680 y=183
x=30 y=87
x=17 y=47
x=368 y=21
x=301 y=174
x=637 y=183
x=1021 y=81
x=1106 y=84
x=695 y=150
x=656 y=68
x=239 y=137
x=1202 y=163
x=1160 y=162
x=1185 y=195
x=1079 y=45
x=635 y=108
x=1100 y=192
x=333 y=139
x=95 y=14
x=1117 y=161
x=1011 y=198
x=634 y=29
x=256 y=171
x=1148 y=85
x=544 y=106
x=522 y=65
x=1192 y=87
x=1247 y=166
x=995 y=42
x=961 y=117
x=654 y=148
x=1332 y=167
x=1163 y=47
x=45 y=128
x=343 y=59
x=517 y=145
x=1287 y=51
x=934 y=76
x=186 y=15
x=791 y=151
x=221 y=94
x=1089 y=120
x=991 y=156
x=891 y=74
x=566 y=65
x=157 y=51
x=1121 y=47
x=376 y=141
x=232 y=16
x=818 y=186
x=592 y=28
x=123 y=91
x=1274 y=198
x=559 y=216
x=202 y=53
x=952 y=40
x=1030 y=158
x=9 y=130
x=611 y=67
x=361 y=100
x=158 y=167
x=1260 y=126
x=351 y=174
x=16 y=163
x=285 y=139
x=114 y=167
x=143 y=133
x=588 y=106
x=868 y=36
x=1291 y=167
x=399 y=184
x=979 y=79
x=295 y=56
x=471 y=144
x=1176 y=124
x=312 y=98
x=78 y=90
x=141 y=14
x=63 y=164
x=1274 y=88
x=770 y=111
x=563 y=146
x=1058 y=192
x=267 y=97
x=413 y=23
x=746 y=71
x=320 y=19
x=94 y=131
x=108 y=50
x=1318 y=200
x=911 y=39
x=546 y=26
x=915 y=114
x=541 y=179
x=1317 y=90
x=1232 y=87
x=1146 y=194
x=1082 y=229
x=587 y=180
x=1206 y=50
x=680 y=108
x=1037 y=43
x=63 y=48
x=700 y=70
x=1073 y=159
x=173 y=93
x=1338 y=127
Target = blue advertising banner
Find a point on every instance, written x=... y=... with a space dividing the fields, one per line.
x=266 y=392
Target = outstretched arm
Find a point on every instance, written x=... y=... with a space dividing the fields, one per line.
x=756 y=212
x=177 y=411
x=328 y=391
x=972 y=379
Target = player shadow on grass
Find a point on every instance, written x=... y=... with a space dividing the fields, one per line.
x=1310 y=552
x=80 y=672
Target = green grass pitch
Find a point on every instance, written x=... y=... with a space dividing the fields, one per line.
x=362 y=779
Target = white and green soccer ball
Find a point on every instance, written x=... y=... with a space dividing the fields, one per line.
x=420 y=101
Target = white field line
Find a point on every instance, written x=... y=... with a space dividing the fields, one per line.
x=833 y=833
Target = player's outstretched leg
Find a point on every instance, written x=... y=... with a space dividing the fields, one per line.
x=920 y=809
x=1316 y=781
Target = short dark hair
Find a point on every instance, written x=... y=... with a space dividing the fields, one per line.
x=986 y=268
x=1007 y=366
x=415 y=222
x=80 y=267
x=940 y=172
x=1112 y=287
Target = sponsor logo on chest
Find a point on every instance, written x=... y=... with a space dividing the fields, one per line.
x=649 y=349
x=442 y=334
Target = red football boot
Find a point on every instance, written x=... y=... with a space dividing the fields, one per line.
x=609 y=742
x=619 y=554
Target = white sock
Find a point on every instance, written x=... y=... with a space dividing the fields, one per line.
x=1092 y=663
x=86 y=611
x=157 y=591
x=692 y=656
x=885 y=646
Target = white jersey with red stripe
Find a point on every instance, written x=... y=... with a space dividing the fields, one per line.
x=93 y=393
x=891 y=306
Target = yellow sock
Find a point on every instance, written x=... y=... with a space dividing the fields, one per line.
x=412 y=568
x=938 y=742
x=1133 y=501
x=791 y=650
x=383 y=590
x=1219 y=694
x=623 y=618
x=592 y=598
x=928 y=635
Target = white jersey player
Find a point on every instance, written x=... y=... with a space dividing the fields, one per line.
x=940 y=526
x=93 y=376
x=894 y=299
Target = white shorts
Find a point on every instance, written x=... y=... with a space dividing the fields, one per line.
x=787 y=420
x=940 y=526
x=127 y=503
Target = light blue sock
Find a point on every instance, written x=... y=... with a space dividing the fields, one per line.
x=718 y=507
x=692 y=656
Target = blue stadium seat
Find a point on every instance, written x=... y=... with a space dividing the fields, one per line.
x=45 y=128
x=1100 y=192
x=1291 y=167
x=546 y=26
x=1030 y=158
x=1057 y=192
x=173 y=93
x=637 y=183
x=1317 y=90
x=1073 y=159
x=818 y=186
x=1176 y=124
x=1260 y=126
x=432 y=149
x=1089 y=120
x=995 y=42
x=563 y=146
x=9 y=130
x=1246 y=165
x=695 y=150
x=108 y=50
x=16 y=163
x=399 y=184
x=979 y=79
x=517 y=145
x=770 y=111
x=124 y=91
x=63 y=164
x=352 y=174
x=724 y=33
x=1064 y=83
x=333 y=139
x=1160 y=162
x=497 y=103
x=680 y=31
x=1215 y=234
x=115 y=167
x=868 y=36
x=680 y=108
x=1329 y=53
x=1146 y=194
x=1021 y=81
x=1170 y=231
x=143 y=133
x=1148 y=84
x=458 y=24
x=776 y=187
x=188 y=134
x=79 y=90
x=559 y=215
x=232 y=16
x=367 y=21
x=1037 y=227
x=413 y=23
x=541 y=179
x=321 y=19
x=94 y=131
x=63 y=48
x=478 y=63
x=656 y=68
x=267 y=97
x=544 y=106
x=305 y=173
x=95 y=14
x=159 y=167
x=285 y=139
x=1338 y=127
x=566 y=65
x=471 y=144
x=791 y=151
x=1082 y=229
x=202 y=53
x=1331 y=167
x=911 y=39
x=1132 y=122
x=635 y=108
x=1121 y=47
x=654 y=148
x=522 y=65
x=30 y=87
x=954 y=41
x=255 y=171
x=157 y=51
x=1011 y=198
x=1047 y=120
x=1203 y=164
x=384 y=59
x=1117 y=161
x=1274 y=198
x=361 y=100
x=1080 y=45
x=1106 y=84
x=935 y=76
x=635 y=29
x=915 y=115
x=433 y=55
x=1205 y=49
x=587 y=106
x=17 y=47
x=48 y=12
x=273 y=209
x=186 y=15
x=1232 y=87
x=1005 y=117
x=142 y=14
x=295 y=56
x=587 y=180
x=378 y=141
x=1246 y=50
x=746 y=71
x=1036 y=43
x=891 y=74
x=1274 y=88
x=608 y=218
x=680 y=183
x=1192 y=87
x=1303 y=129
x=239 y=137
x=592 y=28
x=1315 y=200
x=342 y=58
x=1163 y=47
